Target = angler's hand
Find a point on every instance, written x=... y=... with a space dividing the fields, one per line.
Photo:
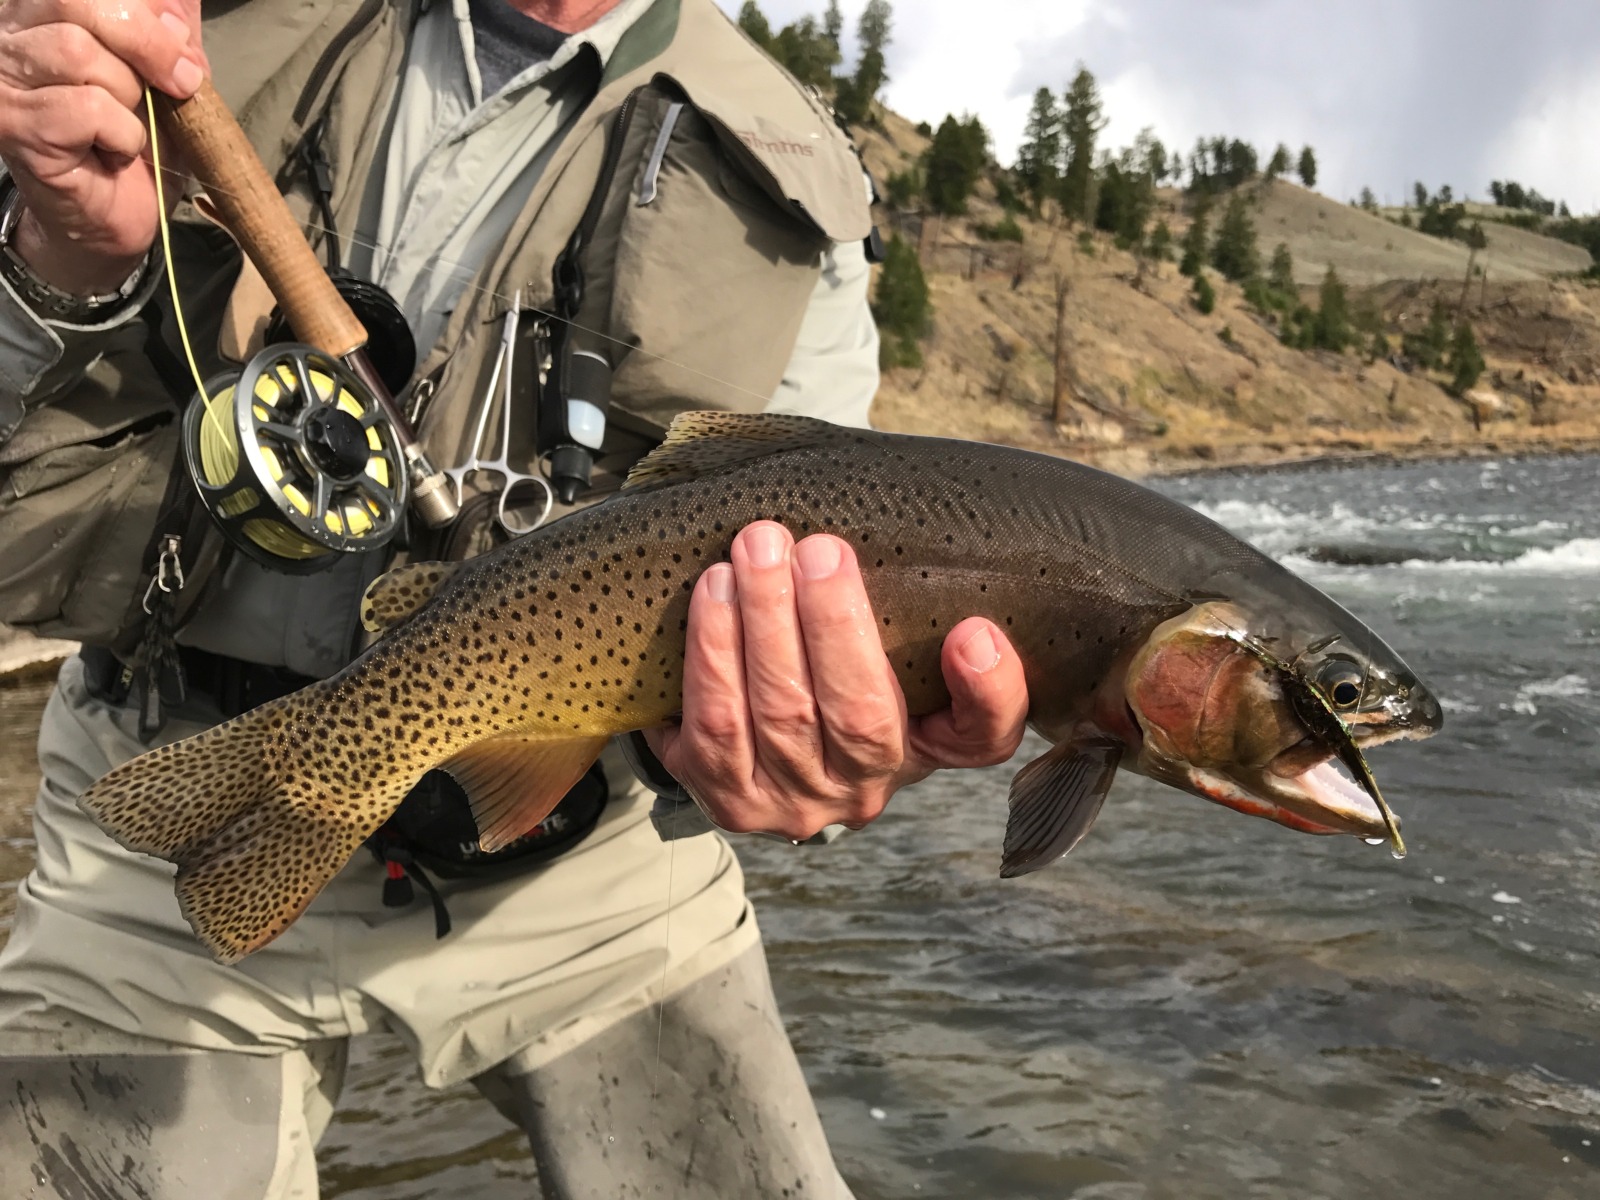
x=792 y=717
x=72 y=78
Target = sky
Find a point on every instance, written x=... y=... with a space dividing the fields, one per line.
x=1388 y=92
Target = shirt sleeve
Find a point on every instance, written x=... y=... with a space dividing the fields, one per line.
x=39 y=357
x=833 y=373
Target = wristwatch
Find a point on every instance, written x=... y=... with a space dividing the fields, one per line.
x=45 y=298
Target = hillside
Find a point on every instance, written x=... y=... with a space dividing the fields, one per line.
x=1154 y=385
x=1367 y=249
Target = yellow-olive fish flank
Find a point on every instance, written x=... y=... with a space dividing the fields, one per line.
x=511 y=671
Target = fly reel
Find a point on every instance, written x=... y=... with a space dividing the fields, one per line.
x=296 y=460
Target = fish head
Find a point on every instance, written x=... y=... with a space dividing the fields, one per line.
x=1256 y=707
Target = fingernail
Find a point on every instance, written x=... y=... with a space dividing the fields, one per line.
x=186 y=76
x=819 y=557
x=766 y=545
x=720 y=583
x=979 y=651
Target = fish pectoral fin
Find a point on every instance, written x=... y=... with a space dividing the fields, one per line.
x=1054 y=801
x=699 y=443
x=397 y=594
x=513 y=783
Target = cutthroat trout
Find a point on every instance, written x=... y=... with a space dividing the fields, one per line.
x=1151 y=637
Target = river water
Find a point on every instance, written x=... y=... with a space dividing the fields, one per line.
x=1195 y=1005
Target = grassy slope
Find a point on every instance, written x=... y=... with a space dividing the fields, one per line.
x=1158 y=387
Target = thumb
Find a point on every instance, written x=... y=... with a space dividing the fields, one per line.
x=988 y=710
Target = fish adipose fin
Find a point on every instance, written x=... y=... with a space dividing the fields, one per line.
x=397 y=594
x=249 y=860
x=702 y=443
x=1054 y=801
x=513 y=783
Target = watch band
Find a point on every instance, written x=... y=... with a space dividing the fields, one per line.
x=44 y=298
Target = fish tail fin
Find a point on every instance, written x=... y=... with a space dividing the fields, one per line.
x=249 y=858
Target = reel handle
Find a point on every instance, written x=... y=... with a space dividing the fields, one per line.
x=256 y=215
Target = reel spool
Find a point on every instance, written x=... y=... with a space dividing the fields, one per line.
x=295 y=460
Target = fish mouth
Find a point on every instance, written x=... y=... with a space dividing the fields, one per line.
x=1318 y=799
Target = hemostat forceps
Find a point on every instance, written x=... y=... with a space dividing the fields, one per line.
x=500 y=380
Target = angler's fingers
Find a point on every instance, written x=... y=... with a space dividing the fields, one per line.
x=862 y=710
x=65 y=121
x=783 y=710
x=711 y=749
x=62 y=54
x=988 y=710
x=158 y=43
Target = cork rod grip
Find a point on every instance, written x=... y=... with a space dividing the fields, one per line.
x=242 y=192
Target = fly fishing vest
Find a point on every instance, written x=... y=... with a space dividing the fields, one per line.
x=692 y=200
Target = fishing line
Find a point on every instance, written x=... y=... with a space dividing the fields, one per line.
x=666 y=959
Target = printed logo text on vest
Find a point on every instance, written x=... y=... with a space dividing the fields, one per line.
x=774 y=147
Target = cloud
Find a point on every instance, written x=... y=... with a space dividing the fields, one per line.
x=1388 y=91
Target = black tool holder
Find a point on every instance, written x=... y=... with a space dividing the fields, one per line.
x=575 y=400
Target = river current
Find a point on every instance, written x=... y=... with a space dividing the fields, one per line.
x=1195 y=1004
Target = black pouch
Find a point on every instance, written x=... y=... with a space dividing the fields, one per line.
x=434 y=823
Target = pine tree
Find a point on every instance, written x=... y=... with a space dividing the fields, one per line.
x=1039 y=158
x=806 y=51
x=1308 y=167
x=833 y=23
x=1368 y=202
x=1160 y=244
x=1430 y=347
x=954 y=164
x=1280 y=275
x=1080 y=127
x=1466 y=361
x=855 y=96
x=901 y=307
x=1235 y=253
x=873 y=27
x=1332 y=329
x=1205 y=296
x=1197 y=240
x=1155 y=161
x=1280 y=162
x=754 y=22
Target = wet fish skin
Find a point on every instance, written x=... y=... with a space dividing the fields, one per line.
x=512 y=670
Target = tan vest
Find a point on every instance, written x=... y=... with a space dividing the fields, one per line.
x=695 y=297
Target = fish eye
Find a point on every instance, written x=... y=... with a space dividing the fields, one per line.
x=1341 y=683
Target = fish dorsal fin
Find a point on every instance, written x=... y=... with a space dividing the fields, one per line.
x=1054 y=800
x=701 y=443
x=395 y=595
x=513 y=783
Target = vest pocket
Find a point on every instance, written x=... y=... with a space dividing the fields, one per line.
x=710 y=277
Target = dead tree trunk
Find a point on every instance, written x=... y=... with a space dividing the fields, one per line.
x=1466 y=285
x=927 y=238
x=1063 y=390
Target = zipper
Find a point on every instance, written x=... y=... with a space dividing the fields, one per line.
x=568 y=272
x=652 y=169
x=329 y=59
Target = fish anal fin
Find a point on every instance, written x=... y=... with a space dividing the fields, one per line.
x=512 y=783
x=1054 y=801
x=397 y=594
x=701 y=443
